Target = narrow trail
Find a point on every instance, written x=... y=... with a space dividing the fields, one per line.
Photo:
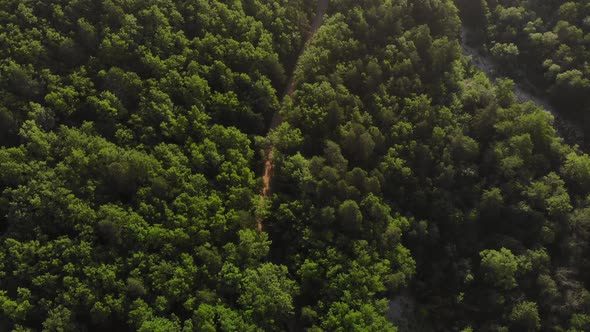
x=277 y=119
x=570 y=131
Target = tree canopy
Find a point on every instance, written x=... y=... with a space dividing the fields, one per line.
x=410 y=191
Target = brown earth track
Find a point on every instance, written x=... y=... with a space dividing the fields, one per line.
x=277 y=119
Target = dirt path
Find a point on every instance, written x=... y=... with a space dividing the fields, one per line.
x=570 y=131
x=277 y=119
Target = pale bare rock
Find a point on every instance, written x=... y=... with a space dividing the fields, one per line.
x=570 y=131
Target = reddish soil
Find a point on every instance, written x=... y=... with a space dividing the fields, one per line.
x=277 y=119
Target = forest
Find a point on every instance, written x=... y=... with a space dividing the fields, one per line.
x=293 y=165
x=545 y=43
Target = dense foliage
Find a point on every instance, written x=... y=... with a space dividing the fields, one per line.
x=131 y=150
x=545 y=42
